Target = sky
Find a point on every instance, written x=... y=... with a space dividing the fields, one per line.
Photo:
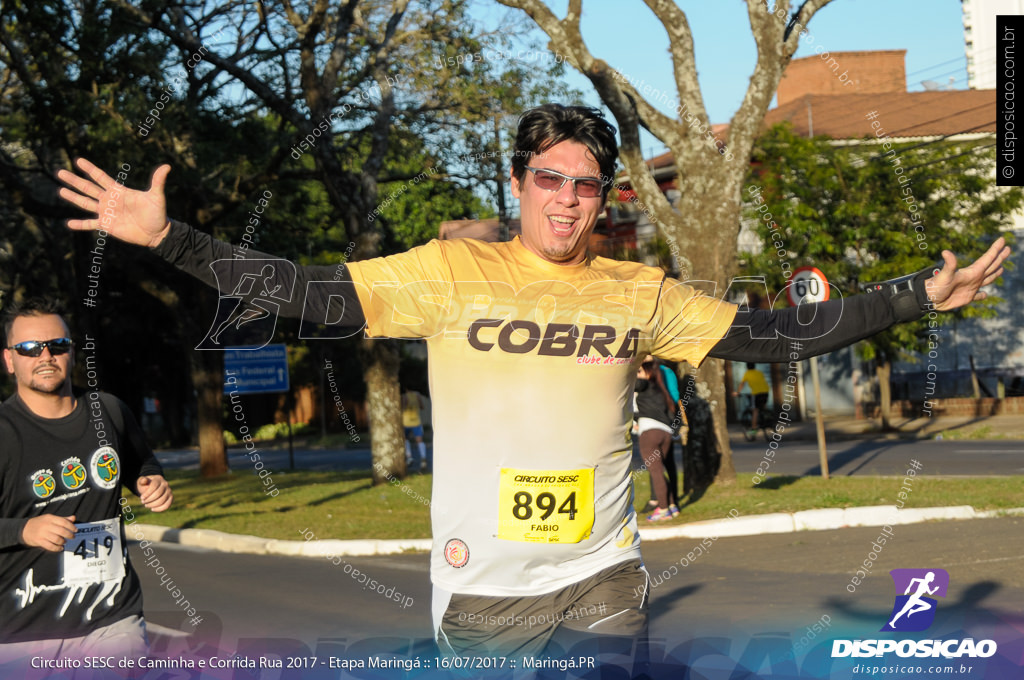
x=627 y=35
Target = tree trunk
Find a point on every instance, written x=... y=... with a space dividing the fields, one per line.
x=384 y=409
x=208 y=380
x=708 y=264
x=975 y=389
x=712 y=373
x=702 y=458
x=883 y=370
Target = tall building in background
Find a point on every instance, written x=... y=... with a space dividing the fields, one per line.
x=980 y=38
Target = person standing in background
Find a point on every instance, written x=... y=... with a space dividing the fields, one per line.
x=413 y=424
x=655 y=413
x=671 y=383
x=759 y=389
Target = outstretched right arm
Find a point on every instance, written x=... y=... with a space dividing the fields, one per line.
x=140 y=218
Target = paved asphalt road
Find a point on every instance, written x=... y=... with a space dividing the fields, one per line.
x=887 y=457
x=751 y=591
x=745 y=598
x=796 y=457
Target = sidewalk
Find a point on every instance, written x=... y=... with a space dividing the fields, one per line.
x=749 y=525
x=838 y=428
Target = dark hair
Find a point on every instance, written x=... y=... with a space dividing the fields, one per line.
x=543 y=127
x=751 y=365
x=34 y=306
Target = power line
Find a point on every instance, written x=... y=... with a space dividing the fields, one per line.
x=928 y=68
x=939 y=140
x=949 y=158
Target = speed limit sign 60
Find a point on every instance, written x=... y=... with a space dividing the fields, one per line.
x=807 y=284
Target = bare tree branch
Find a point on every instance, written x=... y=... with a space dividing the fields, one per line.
x=776 y=43
x=684 y=62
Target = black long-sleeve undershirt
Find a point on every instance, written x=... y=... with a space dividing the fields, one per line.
x=327 y=295
x=321 y=294
x=794 y=333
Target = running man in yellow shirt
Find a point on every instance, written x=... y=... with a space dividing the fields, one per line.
x=534 y=346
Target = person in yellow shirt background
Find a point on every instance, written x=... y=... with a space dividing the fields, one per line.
x=412 y=404
x=759 y=390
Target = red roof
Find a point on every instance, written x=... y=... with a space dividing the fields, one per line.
x=899 y=114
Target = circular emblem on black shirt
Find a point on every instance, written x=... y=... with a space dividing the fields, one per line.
x=72 y=474
x=43 y=484
x=105 y=467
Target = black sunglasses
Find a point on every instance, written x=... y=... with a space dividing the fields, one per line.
x=34 y=348
x=549 y=180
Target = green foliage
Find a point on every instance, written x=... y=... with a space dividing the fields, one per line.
x=413 y=206
x=269 y=432
x=870 y=212
x=81 y=78
x=272 y=431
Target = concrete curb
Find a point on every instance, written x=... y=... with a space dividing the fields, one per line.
x=750 y=525
x=813 y=520
x=255 y=545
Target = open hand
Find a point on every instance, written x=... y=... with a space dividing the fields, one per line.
x=138 y=217
x=953 y=288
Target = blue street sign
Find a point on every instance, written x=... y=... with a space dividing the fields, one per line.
x=251 y=371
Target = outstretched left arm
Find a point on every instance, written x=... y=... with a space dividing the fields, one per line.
x=819 y=328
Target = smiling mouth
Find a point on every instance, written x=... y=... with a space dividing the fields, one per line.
x=561 y=225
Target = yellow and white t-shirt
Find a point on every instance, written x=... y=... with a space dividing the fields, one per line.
x=532 y=367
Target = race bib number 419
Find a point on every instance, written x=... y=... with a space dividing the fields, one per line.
x=94 y=554
x=546 y=506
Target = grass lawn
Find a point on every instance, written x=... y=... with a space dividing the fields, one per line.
x=344 y=505
x=331 y=504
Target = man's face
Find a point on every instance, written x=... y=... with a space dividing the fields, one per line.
x=44 y=374
x=557 y=224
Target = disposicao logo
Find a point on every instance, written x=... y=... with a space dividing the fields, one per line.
x=914 y=610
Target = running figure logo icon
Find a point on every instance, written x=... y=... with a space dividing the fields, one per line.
x=913 y=610
x=247 y=315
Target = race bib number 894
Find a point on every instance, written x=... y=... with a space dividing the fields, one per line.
x=546 y=506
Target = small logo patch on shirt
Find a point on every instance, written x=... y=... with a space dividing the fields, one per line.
x=72 y=473
x=104 y=467
x=43 y=483
x=456 y=552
